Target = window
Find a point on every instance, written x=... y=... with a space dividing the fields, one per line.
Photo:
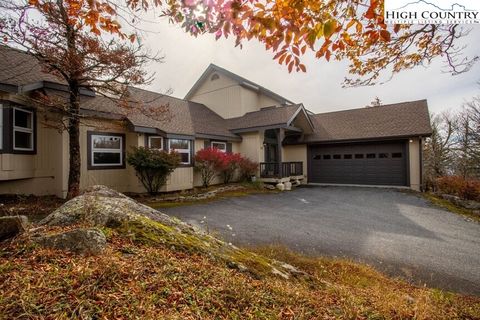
x=359 y=156
x=347 y=156
x=371 y=155
x=222 y=146
x=106 y=150
x=396 y=155
x=317 y=157
x=214 y=77
x=327 y=157
x=155 y=142
x=22 y=130
x=337 y=156
x=383 y=155
x=181 y=146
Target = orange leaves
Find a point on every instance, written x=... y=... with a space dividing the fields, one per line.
x=329 y=28
x=291 y=58
x=385 y=35
x=396 y=28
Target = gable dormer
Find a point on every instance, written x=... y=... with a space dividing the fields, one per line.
x=230 y=95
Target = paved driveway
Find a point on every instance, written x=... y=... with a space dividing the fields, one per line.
x=398 y=232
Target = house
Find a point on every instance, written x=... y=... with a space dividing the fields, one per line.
x=367 y=146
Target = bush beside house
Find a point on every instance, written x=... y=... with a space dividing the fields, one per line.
x=211 y=162
x=153 y=166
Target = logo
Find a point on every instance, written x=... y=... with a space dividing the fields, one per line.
x=432 y=11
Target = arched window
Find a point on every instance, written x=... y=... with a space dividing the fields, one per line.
x=214 y=77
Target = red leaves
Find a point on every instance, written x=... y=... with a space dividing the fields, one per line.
x=385 y=35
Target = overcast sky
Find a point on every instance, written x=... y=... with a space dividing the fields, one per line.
x=320 y=89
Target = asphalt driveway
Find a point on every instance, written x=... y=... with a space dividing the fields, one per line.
x=396 y=231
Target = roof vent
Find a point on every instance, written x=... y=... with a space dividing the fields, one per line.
x=214 y=77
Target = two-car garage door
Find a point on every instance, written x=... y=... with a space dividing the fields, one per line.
x=367 y=164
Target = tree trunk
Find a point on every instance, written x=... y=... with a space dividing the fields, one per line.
x=74 y=142
x=74 y=105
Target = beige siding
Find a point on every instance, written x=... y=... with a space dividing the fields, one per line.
x=180 y=179
x=252 y=146
x=225 y=102
x=296 y=153
x=229 y=99
x=125 y=180
x=39 y=174
x=266 y=101
x=414 y=163
x=209 y=86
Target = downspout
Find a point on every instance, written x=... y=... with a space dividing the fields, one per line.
x=420 y=151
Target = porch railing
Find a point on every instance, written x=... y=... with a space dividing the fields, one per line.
x=280 y=170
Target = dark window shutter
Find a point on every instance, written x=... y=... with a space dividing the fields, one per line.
x=229 y=147
x=206 y=144
x=165 y=144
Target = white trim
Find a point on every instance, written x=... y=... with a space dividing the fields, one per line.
x=187 y=151
x=24 y=129
x=297 y=112
x=219 y=142
x=94 y=150
x=156 y=137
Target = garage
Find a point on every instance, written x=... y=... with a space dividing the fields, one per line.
x=359 y=163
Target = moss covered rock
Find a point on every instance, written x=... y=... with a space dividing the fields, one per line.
x=107 y=209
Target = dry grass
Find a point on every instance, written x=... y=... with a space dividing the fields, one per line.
x=138 y=280
x=32 y=206
x=445 y=204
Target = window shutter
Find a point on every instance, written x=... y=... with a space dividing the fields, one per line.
x=229 y=147
x=206 y=144
x=165 y=144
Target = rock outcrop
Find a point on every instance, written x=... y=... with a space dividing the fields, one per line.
x=10 y=226
x=101 y=207
x=81 y=241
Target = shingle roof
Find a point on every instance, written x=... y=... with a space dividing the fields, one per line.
x=175 y=120
x=265 y=117
x=393 y=120
x=20 y=68
x=207 y=122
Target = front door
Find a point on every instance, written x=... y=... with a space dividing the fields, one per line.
x=271 y=153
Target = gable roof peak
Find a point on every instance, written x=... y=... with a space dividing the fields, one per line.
x=241 y=80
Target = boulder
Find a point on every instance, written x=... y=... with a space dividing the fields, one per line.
x=102 y=207
x=280 y=186
x=80 y=241
x=10 y=226
x=269 y=186
x=288 y=185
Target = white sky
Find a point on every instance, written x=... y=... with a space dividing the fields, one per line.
x=320 y=89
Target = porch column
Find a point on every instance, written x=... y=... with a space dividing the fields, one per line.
x=280 y=137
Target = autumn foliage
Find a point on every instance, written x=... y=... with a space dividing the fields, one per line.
x=229 y=164
x=211 y=162
x=352 y=30
x=207 y=163
x=468 y=189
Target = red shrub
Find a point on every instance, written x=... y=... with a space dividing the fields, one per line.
x=230 y=163
x=207 y=162
x=211 y=162
x=458 y=186
x=471 y=190
x=248 y=168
